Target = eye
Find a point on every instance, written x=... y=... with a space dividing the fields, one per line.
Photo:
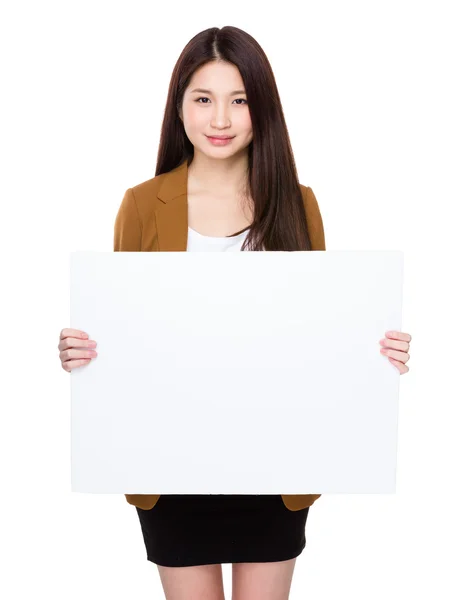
x=204 y=98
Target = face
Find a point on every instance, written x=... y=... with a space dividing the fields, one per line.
x=219 y=111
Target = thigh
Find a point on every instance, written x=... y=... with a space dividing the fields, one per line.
x=262 y=581
x=202 y=582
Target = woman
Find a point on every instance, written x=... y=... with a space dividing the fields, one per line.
x=216 y=194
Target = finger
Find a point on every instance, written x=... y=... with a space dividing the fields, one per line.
x=77 y=333
x=395 y=344
x=69 y=365
x=403 y=357
x=398 y=335
x=400 y=366
x=71 y=353
x=76 y=343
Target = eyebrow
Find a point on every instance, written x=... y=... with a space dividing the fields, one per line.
x=203 y=91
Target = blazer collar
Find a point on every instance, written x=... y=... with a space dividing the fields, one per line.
x=172 y=214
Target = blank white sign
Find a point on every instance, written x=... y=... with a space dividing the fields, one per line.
x=235 y=373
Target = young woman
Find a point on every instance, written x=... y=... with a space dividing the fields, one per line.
x=225 y=181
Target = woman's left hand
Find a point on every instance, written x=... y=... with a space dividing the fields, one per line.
x=396 y=347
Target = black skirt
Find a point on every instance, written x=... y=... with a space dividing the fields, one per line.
x=185 y=530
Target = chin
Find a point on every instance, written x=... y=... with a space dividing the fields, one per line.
x=219 y=150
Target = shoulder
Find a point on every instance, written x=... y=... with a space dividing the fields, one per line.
x=145 y=194
x=310 y=202
x=314 y=218
x=136 y=213
x=308 y=197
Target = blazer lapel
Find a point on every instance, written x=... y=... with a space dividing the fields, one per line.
x=172 y=215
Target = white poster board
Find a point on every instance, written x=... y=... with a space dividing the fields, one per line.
x=235 y=373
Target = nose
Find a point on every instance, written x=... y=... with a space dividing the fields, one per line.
x=220 y=117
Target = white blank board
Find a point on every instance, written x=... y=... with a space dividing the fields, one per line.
x=235 y=373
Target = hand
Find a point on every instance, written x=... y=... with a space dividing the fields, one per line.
x=71 y=358
x=396 y=348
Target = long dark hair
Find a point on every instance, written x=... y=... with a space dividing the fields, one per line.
x=279 y=215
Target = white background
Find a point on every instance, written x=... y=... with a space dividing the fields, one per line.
x=364 y=90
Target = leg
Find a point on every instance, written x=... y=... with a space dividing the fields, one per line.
x=202 y=582
x=262 y=581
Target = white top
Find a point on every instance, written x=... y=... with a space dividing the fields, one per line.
x=197 y=242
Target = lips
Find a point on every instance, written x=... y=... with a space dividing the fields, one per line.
x=221 y=137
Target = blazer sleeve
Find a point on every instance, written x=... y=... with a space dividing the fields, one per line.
x=314 y=221
x=128 y=226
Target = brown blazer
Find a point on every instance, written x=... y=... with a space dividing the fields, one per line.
x=153 y=217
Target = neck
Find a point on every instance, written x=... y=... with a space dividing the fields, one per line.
x=227 y=176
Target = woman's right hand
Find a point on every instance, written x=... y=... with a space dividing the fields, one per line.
x=75 y=349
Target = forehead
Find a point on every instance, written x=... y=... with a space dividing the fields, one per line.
x=219 y=75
